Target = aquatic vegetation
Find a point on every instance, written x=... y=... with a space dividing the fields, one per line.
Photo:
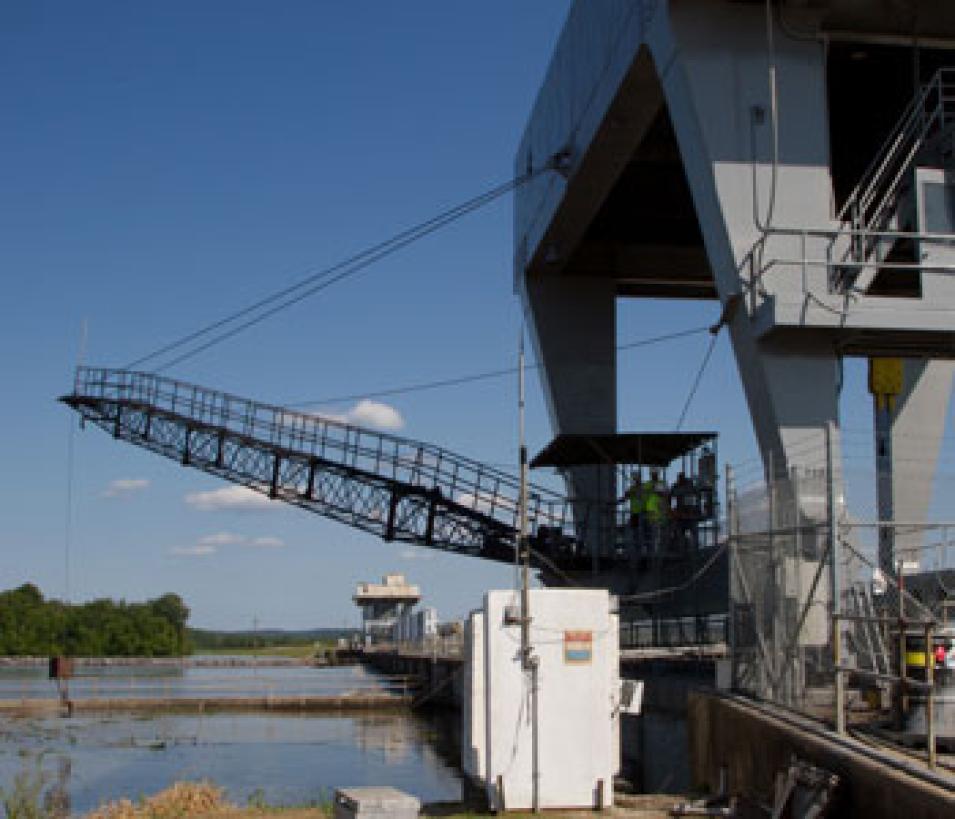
x=25 y=799
x=32 y=797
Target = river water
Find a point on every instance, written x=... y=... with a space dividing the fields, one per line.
x=288 y=759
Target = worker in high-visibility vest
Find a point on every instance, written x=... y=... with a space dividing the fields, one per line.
x=635 y=499
x=655 y=509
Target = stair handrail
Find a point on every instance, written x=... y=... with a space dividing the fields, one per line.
x=929 y=106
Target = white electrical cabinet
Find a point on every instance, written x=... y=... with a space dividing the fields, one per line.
x=562 y=739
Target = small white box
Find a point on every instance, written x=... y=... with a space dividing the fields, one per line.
x=375 y=803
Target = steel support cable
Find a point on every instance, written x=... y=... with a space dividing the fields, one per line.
x=482 y=376
x=680 y=586
x=327 y=276
x=696 y=381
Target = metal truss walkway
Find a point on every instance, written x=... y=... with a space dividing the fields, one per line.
x=393 y=487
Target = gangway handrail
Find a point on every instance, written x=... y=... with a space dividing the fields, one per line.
x=396 y=487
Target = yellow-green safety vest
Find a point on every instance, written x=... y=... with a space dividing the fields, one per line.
x=652 y=502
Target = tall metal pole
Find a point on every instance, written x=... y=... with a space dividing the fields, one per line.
x=528 y=661
x=523 y=550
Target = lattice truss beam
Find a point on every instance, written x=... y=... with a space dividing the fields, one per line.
x=390 y=487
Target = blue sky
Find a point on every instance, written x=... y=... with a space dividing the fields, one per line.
x=164 y=164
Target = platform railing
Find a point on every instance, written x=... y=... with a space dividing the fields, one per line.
x=817 y=260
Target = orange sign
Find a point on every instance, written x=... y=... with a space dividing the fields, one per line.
x=578 y=647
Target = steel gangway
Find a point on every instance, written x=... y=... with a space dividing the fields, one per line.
x=396 y=488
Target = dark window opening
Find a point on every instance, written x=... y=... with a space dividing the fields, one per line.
x=870 y=87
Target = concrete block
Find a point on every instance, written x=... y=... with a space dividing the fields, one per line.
x=375 y=803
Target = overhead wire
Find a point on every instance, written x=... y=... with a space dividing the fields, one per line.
x=481 y=376
x=321 y=279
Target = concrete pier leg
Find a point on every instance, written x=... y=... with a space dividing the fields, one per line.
x=573 y=328
x=918 y=426
x=744 y=178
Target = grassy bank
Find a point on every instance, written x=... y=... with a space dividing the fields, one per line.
x=204 y=800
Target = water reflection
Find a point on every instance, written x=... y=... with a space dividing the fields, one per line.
x=287 y=758
x=292 y=759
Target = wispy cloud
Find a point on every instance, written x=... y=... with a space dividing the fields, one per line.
x=197 y=550
x=221 y=539
x=124 y=487
x=231 y=498
x=210 y=544
x=267 y=542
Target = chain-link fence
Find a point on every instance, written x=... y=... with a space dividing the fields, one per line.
x=840 y=619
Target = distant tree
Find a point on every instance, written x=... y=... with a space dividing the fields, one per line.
x=30 y=625
x=172 y=608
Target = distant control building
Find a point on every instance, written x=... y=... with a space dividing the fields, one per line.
x=383 y=605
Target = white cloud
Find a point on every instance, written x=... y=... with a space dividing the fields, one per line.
x=267 y=542
x=199 y=550
x=124 y=487
x=368 y=413
x=221 y=539
x=376 y=414
x=229 y=498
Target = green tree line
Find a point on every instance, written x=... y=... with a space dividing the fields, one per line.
x=32 y=625
x=205 y=639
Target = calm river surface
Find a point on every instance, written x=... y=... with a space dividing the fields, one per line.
x=285 y=758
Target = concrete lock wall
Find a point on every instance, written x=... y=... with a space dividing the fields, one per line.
x=753 y=746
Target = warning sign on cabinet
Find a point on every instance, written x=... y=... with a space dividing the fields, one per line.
x=578 y=647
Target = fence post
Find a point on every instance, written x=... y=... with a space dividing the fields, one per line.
x=730 y=492
x=840 y=675
x=930 y=695
x=835 y=579
x=903 y=665
x=773 y=568
x=794 y=661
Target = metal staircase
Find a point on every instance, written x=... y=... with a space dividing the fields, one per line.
x=881 y=208
x=393 y=487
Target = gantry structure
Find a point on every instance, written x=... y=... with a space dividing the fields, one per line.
x=791 y=161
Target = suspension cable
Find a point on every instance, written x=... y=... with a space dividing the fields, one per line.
x=321 y=279
x=696 y=381
x=481 y=376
